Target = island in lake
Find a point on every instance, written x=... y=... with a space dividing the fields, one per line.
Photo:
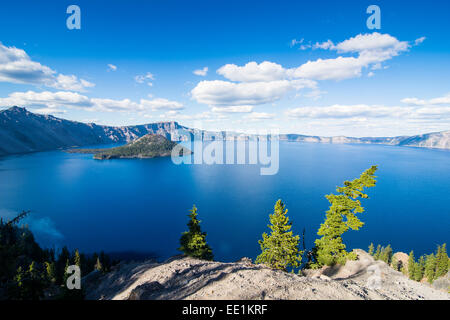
x=148 y=146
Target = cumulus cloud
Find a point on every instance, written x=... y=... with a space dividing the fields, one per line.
x=55 y=100
x=201 y=72
x=253 y=72
x=224 y=93
x=17 y=67
x=259 y=83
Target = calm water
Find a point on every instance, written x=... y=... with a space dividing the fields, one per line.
x=142 y=205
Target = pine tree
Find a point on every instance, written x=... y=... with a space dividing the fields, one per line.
x=395 y=263
x=279 y=250
x=98 y=265
x=386 y=254
x=442 y=261
x=377 y=254
x=193 y=242
x=342 y=216
x=50 y=268
x=411 y=265
x=77 y=258
x=419 y=269
x=430 y=267
x=371 y=249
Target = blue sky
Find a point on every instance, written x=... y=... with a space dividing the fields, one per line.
x=293 y=66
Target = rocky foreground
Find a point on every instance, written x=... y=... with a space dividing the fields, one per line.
x=186 y=278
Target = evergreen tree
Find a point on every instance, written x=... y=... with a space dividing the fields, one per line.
x=386 y=254
x=419 y=269
x=279 y=250
x=193 y=242
x=442 y=261
x=371 y=249
x=30 y=284
x=77 y=259
x=395 y=263
x=430 y=267
x=377 y=254
x=50 y=268
x=98 y=265
x=411 y=265
x=342 y=216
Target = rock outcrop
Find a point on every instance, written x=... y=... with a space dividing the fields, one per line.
x=186 y=278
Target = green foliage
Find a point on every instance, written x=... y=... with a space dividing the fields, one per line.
x=77 y=258
x=411 y=265
x=50 y=268
x=193 y=242
x=442 y=262
x=26 y=270
x=148 y=146
x=430 y=268
x=29 y=284
x=386 y=254
x=395 y=264
x=342 y=216
x=419 y=269
x=371 y=249
x=279 y=250
x=377 y=254
x=98 y=265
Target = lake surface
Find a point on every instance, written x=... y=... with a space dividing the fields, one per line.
x=142 y=205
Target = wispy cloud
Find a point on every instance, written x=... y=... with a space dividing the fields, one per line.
x=147 y=78
x=112 y=67
x=201 y=72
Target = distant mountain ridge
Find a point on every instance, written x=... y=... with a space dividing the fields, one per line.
x=22 y=131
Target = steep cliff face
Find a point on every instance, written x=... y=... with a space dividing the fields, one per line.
x=23 y=131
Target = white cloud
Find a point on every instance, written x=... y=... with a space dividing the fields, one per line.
x=17 y=67
x=329 y=69
x=369 y=111
x=266 y=82
x=256 y=116
x=148 y=77
x=294 y=42
x=372 y=49
x=233 y=109
x=253 y=72
x=431 y=102
x=224 y=93
x=55 y=100
x=161 y=104
x=419 y=40
x=112 y=67
x=201 y=72
x=371 y=42
x=324 y=45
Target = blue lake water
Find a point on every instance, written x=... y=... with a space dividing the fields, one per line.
x=142 y=205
